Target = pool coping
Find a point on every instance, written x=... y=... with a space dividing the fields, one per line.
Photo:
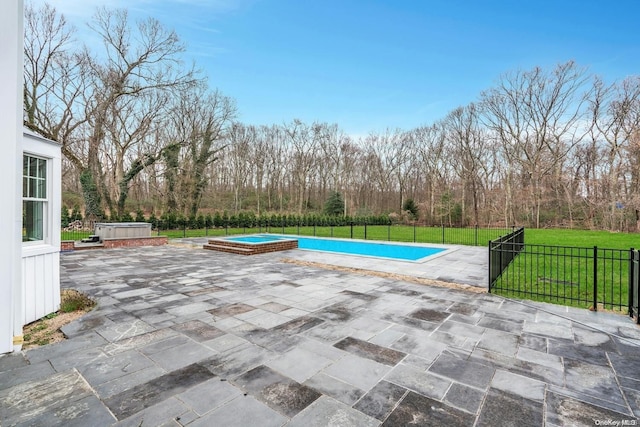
x=448 y=249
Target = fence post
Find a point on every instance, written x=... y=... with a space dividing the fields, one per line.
x=631 y=281
x=595 y=278
x=314 y=229
x=184 y=229
x=414 y=231
x=365 y=231
x=636 y=278
x=443 y=234
x=490 y=269
x=476 y=244
x=352 y=229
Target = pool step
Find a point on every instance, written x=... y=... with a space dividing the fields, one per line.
x=229 y=249
x=243 y=248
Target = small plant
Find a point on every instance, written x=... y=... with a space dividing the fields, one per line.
x=43 y=341
x=411 y=207
x=72 y=300
x=40 y=327
x=334 y=205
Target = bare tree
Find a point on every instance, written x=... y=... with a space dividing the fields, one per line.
x=304 y=142
x=55 y=79
x=462 y=129
x=615 y=113
x=536 y=116
x=136 y=63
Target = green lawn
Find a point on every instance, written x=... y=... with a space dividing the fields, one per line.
x=565 y=273
x=74 y=235
x=582 y=238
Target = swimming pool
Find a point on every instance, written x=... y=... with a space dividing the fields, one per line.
x=257 y=238
x=352 y=247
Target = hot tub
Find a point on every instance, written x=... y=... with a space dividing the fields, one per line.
x=122 y=230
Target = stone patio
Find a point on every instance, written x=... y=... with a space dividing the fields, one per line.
x=184 y=336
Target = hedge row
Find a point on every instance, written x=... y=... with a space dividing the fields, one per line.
x=250 y=220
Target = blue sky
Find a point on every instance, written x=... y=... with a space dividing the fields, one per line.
x=371 y=65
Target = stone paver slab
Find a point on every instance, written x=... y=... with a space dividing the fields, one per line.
x=564 y=410
x=299 y=364
x=419 y=381
x=242 y=411
x=360 y=372
x=209 y=395
x=333 y=387
x=277 y=391
x=519 y=385
x=34 y=399
x=371 y=351
x=416 y=409
x=381 y=400
x=501 y=408
x=142 y=396
x=198 y=330
x=463 y=397
x=327 y=412
x=466 y=372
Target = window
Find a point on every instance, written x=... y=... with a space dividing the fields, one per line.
x=34 y=198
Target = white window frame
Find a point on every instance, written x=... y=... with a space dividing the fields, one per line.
x=46 y=232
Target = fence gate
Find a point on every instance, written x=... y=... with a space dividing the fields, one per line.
x=502 y=251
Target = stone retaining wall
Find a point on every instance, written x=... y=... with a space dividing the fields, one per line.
x=250 y=249
x=70 y=245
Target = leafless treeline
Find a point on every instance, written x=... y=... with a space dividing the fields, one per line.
x=555 y=147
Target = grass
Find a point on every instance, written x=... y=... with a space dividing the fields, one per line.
x=559 y=266
x=74 y=235
x=582 y=238
x=566 y=276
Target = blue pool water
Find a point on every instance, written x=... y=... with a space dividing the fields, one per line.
x=375 y=249
x=261 y=238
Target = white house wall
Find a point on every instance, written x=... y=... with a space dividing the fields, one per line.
x=11 y=41
x=40 y=276
x=41 y=261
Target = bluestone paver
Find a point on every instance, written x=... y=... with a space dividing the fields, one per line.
x=183 y=336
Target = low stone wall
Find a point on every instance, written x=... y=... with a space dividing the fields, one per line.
x=135 y=241
x=69 y=245
x=250 y=249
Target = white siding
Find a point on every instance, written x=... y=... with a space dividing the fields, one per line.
x=41 y=280
x=41 y=260
x=11 y=39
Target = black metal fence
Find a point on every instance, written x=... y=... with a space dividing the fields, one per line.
x=471 y=236
x=76 y=230
x=502 y=251
x=579 y=276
